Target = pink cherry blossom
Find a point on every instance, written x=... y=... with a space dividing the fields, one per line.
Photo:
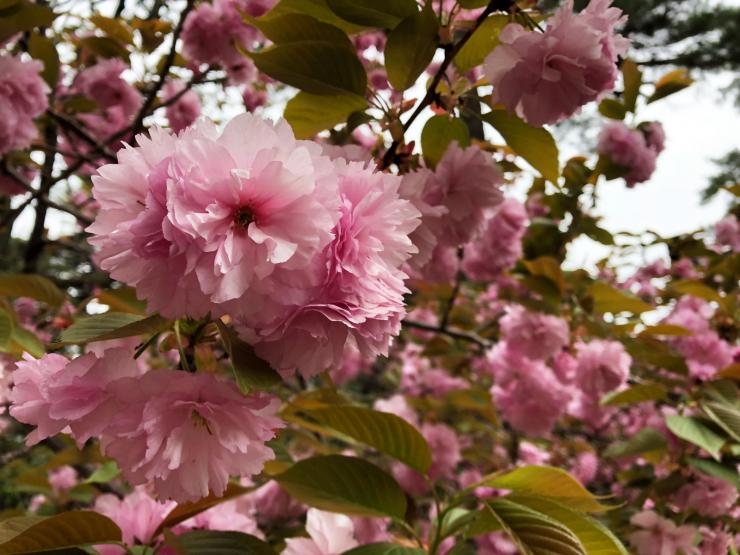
x=63 y=478
x=537 y=336
x=654 y=135
x=628 y=149
x=273 y=503
x=708 y=496
x=329 y=534
x=187 y=433
x=55 y=394
x=224 y=516
x=22 y=98
x=197 y=206
x=138 y=515
x=185 y=110
x=359 y=303
x=546 y=77
x=603 y=366
x=413 y=188
x=466 y=182
x=499 y=246
x=103 y=84
x=661 y=536
x=727 y=232
x=526 y=392
x=211 y=32
x=715 y=542
x=585 y=467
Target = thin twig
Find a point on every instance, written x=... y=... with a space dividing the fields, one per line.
x=455 y=334
x=450 y=52
x=169 y=60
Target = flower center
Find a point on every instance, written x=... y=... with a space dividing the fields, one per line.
x=243 y=216
x=199 y=421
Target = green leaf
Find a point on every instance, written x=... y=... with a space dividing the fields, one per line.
x=594 y=536
x=636 y=394
x=410 y=48
x=694 y=431
x=113 y=325
x=472 y=4
x=104 y=473
x=712 y=468
x=696 y=288
x=612 y=108
x=317 y=67
x=384 y=549
x=309 y=114
x=484 y=523
x=184 y=511
x=115 y=28
x=122 y=299
x=32 y=286
x=297 y=27
x=550 y=482
x=672 y=82
x=44 y=49
x=645 y=440
x=534 y=533
x=386 y=432
x=24 y=16
x=373 y=13
x=591 y=229
x=481 y=43
x=315 y=8
x=548 y=268
x=438 y=133
x=725 y=415
x=251 y=372
x=632 y=81
x=534 y=144
x=24 y=341
x=6 y=328
x=666 y=329
x=610 y=299
x=201 y=542
x=70 y=529
x=344 y=484
x=104 y=47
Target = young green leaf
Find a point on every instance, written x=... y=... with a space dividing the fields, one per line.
x=610 y=299
x=388 y=433
x=113 y=325
x=481 y=43
x=534 y=144
x=65 y=530
x=31 y=286
x=309 y=114
x=385 y=14
x=438 y=133
x=410 y=48
x=594 y=536
x=550 y=482
x=201 y=542
x=315 y=66
x=535 y=533
x=251 y=372
x=695 y=431
x=344 y=485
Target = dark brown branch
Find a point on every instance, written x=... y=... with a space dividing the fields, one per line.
x=163 y=73
x=450 y=52
x=71 y=125
x=455 y=334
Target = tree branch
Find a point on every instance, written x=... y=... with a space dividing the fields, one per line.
x=455 y=334
x=450 y=52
